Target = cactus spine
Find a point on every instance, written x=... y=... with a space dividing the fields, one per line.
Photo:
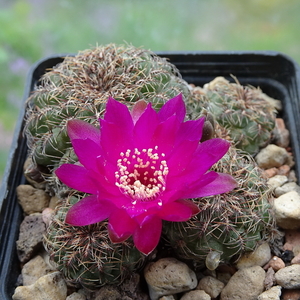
x=230 y=223
x=85 y=255
x=246 y=112
x=79 y=88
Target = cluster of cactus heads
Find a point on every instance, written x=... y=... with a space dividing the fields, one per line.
x=79 y=88
x=85 y=255
x=246 y=112
x=228 y=224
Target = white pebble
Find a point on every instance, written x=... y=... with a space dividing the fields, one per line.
x=287 y=210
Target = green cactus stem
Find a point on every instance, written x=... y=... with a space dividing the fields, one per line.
x=229 y=224
x=85 y=255
x=247 y=113
x=79 y=88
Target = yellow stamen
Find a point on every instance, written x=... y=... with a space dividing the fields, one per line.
x=146 y=179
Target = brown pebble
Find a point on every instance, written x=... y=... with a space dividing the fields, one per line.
x=47 y=215
x=270 y=279
x=292 y=240
x=32 y=230
x=296 y=250
x=32 y=200
x=281 y=136
x=268 y=173
x=53 y=202
x=227 y=269
x=284 y=170
x=296 y=259
x=292 y=176
x=290 y=294
x=276 y=263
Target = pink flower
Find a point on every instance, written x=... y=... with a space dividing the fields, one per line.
x=142 y=167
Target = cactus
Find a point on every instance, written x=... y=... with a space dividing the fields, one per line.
x=228 y=224
x=85 y=255
x=79 y=88
x=246 y=112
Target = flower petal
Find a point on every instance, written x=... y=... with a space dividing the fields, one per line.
x=181 y=157
x=147 y=236
x=195 y=208
x=137 y=110
x=77 y=177
x=114 y=140
x=87 y=152
x=174 y=106
x=116 y=129
x=212 y=150
x=178 y=211
x=118 y=114
x=88 y=211
x=190 y=130
x=182 y=162
x=120 y=226
x=78 y=129
x=165 y=134
x=221 y=183
x=206 y=155
x=145 y=127
x=106 y=182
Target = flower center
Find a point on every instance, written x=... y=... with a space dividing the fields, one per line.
x=142 y=173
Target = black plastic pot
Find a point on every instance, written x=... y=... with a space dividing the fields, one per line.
x=276 y=74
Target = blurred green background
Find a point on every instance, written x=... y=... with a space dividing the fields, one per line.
x=33 y=29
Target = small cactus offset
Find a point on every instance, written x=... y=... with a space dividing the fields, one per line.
x=78 y=88
x=85 y=255
x=246 y=112
x=228 y=224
